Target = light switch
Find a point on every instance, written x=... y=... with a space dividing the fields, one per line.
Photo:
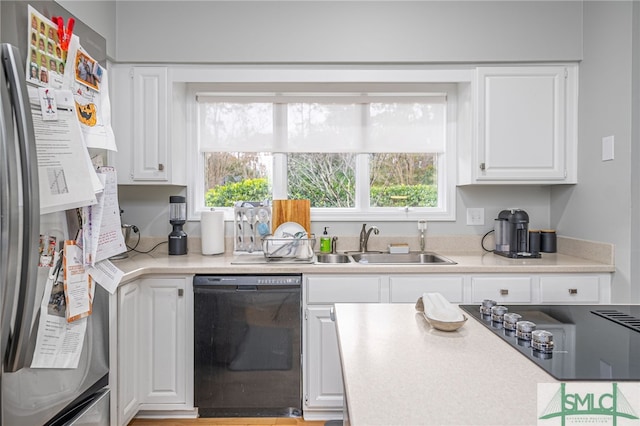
x=475 y=216
x=607 y=148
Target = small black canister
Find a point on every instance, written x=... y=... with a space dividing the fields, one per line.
x=548 y=241
x=534 y=242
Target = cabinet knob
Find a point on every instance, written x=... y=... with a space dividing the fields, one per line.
x=332 y=314
x=504 y=292
x=482 y=166
x=161 y=167
x=573 y=291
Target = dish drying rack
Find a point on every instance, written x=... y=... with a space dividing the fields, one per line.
x=251 y=222
x=289 y=249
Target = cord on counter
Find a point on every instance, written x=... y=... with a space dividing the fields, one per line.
x=482 y=241
x=137 y=231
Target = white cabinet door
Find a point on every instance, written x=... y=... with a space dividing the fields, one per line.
x=164 y=335
x=502 y=289
x=408 y=288
x=343 y=289
x=142 y=125
x=323 y=386
x=522 y=125
x=570 y=289
x=322 y=371
x=150 y=124
x=128 y=352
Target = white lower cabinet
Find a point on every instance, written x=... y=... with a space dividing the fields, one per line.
x=324 y=374
x=574 y=289
x=509 y=289
x=322 y=371
x=128 y=352
x=155 y=346
x=163 y=321
x=407 y=289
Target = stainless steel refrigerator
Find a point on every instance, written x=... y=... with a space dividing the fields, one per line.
x=33 y=397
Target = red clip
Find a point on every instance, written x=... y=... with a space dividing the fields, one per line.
x=64 y=34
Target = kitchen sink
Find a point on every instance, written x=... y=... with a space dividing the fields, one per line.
x=333 y=258
x=402 y=258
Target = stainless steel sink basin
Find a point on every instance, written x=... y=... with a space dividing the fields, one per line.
x=402 y=258
x=333 y=258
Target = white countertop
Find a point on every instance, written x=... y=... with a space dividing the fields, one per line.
x=399 y=370
x=159 y=262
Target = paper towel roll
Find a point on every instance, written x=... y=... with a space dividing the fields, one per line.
x=212 y=231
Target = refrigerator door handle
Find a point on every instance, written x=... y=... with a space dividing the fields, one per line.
x=28 y=263
x=9 y=216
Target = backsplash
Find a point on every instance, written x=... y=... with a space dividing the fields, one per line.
x=591 y=250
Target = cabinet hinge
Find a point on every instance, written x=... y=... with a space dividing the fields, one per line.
x=566 y=73
x=180 y=292
x=306 y=314
x=482 y=166
x=131 y=72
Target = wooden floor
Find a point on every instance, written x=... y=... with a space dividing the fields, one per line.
x=236 y=421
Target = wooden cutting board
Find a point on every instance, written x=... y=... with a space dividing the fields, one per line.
x=298 y=211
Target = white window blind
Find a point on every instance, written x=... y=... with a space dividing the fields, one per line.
x=236 y=127
x=322 y=123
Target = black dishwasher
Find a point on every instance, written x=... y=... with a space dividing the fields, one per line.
x=248 y=345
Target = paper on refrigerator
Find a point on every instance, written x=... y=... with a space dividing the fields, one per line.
x=78 y=285
x=106 y=274
x=88 y=82
x=58 y=343
x=104 y=226
x=66 y=178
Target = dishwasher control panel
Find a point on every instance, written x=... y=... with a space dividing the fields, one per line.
x=263 y=279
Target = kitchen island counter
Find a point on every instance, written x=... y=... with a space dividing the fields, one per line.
x=399 y=370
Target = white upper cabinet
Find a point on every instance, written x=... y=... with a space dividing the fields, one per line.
x=142 y=125
x=524 y=126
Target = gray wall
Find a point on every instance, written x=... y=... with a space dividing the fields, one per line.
x=599 y=207
x=634 y=252
x=100 y=15
x=348 y=31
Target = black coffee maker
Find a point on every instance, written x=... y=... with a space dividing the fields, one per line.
x=512 y=234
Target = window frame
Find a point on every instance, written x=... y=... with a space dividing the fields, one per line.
x=446 y=180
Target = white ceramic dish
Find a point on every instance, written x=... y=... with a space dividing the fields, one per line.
x=288 y=230
x=441 y=314
x=445 y=325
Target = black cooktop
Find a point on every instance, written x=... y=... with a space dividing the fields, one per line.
x=591 y=342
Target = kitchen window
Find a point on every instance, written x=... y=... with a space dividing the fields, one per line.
x=386 y=153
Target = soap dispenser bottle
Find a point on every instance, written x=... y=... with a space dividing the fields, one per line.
x=325 y=242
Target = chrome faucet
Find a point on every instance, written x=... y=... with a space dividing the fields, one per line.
x=422 y=227
x=334 y=245
x=364 y=236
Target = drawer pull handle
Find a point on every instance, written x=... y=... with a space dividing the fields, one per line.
x=332 y=314
x=504 y=292
x=573 y=291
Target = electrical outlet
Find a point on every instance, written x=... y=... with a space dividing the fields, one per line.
x=475 y=216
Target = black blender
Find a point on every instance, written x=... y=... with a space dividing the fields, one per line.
x=177 y=218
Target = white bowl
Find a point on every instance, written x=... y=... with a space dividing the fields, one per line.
x=446 y=325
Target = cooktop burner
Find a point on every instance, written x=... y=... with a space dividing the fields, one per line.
x=589 y=342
